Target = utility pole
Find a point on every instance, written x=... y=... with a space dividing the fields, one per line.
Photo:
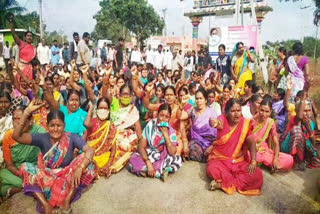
x=182 y=43
x=164 y=11
x=303 y=22
x=242 y=12
x=40 y=12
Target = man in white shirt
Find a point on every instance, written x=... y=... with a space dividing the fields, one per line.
x=188 y=63
x=6 y=54
x=177 y=63
x=135 y=56
x=168 y=57
x=158 y=59
x=149 y=57
x=15 y=52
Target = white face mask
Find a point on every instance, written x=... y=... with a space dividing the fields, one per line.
x=102 y=114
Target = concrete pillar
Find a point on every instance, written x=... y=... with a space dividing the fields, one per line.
x=196 y=20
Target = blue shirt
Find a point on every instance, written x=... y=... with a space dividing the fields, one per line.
x=55 y=58
x=74 y=121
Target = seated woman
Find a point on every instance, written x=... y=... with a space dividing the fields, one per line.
x=226 y=164
x=59 y=177
x=170 y=98
x=202 y=133
x=299 y=139
x=125 y=116
x=15 y=154
x=279 y=108
x=73 y=114
x=102 y=136
x=252 y=108
x=265 y=132
x=5 y=115
x=157 y=148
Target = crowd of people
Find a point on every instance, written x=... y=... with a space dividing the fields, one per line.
x=70 y=114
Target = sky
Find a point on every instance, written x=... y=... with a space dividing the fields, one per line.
x=286 y=21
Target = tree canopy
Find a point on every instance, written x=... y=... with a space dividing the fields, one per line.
x=117 y=17
x=9 y=6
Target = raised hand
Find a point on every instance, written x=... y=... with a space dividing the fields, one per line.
x=34 y=105
x=73 y=63
x=213 y=122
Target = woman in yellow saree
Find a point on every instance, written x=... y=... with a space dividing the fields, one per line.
x=102 y=136
x=240 y=70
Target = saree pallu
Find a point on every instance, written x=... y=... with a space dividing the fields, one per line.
x=227 y=166
x=281 y=115
x=127 y=140
x=26 y=53
x=157 y=153
x=20 y=154
x=296 y=142
x=52 y=180
x=202 y=134
x=242 y=72
x=264 y=154
x=297 y=77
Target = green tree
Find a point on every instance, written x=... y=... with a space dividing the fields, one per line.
x=8 y=6
x=136 y=16
x=29 y=21
x=108 y=26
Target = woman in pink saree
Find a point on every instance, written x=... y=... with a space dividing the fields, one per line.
x=265 y=131
x=226 y=165
x=26 y=51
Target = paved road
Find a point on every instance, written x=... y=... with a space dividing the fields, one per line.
x=186 y=192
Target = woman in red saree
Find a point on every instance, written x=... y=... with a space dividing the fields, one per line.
x=26 y=51
x=226 y=165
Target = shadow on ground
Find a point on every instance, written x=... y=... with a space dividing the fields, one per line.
x=186 y=192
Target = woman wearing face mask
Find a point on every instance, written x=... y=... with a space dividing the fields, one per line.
x=102 y=136
x=265 y=131
x=156 y=156
x=125 y=117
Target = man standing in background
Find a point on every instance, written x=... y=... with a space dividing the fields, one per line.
x=15 y=52
x=55 y=53
x=6 y=54
x=119 y=54
x=84 y=55
x=73 y=47
x=135 y=56
x=65 y=53
x=104 y=52
x=149 y=57
x=43 y=52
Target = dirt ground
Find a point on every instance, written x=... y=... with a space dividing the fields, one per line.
x=186 y=192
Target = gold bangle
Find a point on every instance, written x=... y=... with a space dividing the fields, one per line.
x=254 y=162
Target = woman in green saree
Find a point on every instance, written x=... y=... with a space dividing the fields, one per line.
x=15 y=154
